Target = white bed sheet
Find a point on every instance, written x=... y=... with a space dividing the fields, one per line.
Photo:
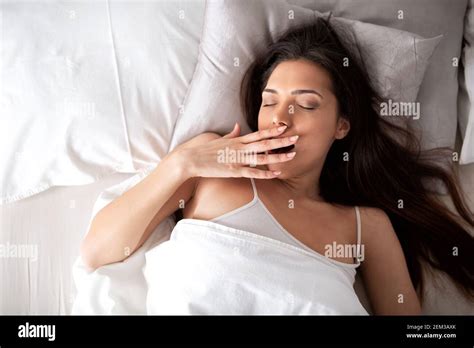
x=54 y=221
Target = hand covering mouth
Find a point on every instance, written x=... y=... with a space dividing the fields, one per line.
x=283 y=149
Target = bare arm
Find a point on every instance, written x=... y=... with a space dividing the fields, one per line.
x=384 y=268
x=124 y=224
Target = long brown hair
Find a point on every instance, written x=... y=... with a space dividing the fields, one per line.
x=386 y=167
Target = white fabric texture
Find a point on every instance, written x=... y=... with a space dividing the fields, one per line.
x=61 y=120
x=90 y=88
x=466 y=90
x=118 y=288
x=229 y=44
x=396 y=60
x=208 y=268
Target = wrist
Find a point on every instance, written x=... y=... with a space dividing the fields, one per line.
x=180 y=163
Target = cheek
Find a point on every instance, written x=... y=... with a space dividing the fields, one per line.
x=322 y=127
x=263 y=119
x=319 y=125
x=317 y=134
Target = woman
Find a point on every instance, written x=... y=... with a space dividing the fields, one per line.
x=331 y=172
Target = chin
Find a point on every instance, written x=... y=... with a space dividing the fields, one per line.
x=284 y=167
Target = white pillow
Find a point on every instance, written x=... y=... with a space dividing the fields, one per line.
x=61 y=114
x=118 y=288
x=233 y=33
x=157 y=45
x=89 y=88
x=396 y=60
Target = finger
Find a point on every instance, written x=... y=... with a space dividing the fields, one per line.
x=248 y=172
x=270 y=144
x=235 y=132
x=261 y=159
x=263 y=134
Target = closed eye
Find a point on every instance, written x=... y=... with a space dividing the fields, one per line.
x=306 y=108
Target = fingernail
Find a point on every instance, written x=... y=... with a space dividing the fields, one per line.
x=276 y=173
x=281 y=128
x=291 y=154
x=294 y=137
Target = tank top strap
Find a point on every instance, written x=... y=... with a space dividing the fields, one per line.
x=254 y=187
x=358 y=246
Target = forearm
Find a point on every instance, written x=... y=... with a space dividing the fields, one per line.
x=117 y=229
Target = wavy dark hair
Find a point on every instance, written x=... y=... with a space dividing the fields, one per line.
x=386 y=161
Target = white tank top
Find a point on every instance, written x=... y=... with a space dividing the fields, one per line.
x=256 y=218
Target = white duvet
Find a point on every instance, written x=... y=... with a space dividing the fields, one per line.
x=208 y=268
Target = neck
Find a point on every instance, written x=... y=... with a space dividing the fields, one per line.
x=304 y=186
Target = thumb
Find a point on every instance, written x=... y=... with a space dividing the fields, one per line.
x=234 y=133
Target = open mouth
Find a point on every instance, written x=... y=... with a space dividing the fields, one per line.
x=284 y=149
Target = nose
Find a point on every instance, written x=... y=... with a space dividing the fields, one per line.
x=277 y=124
x=282 y=117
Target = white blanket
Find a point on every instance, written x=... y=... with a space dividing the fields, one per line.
x=117 y=288
x=208 y=268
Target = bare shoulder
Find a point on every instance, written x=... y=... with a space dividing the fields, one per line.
x=378 y=234
x=374 y=221
x=216 y=196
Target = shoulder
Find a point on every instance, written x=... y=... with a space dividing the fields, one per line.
x=377 y=231
x=374 y=220
x=378 y=234
x=373 y=214
x=216 y=196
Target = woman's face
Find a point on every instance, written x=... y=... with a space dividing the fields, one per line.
x=299 y=94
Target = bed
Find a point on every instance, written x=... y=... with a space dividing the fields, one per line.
x=121 y=61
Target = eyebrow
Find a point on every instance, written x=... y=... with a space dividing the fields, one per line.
x=295 y=92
